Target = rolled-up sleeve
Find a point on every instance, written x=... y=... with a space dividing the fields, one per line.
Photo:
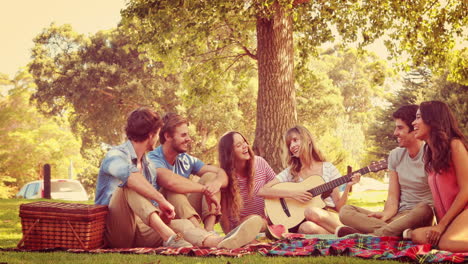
x=197 y=165
x=117 y=165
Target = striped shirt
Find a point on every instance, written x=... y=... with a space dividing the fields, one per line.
x=255 y=204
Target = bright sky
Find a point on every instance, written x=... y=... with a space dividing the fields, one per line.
x=22 y=20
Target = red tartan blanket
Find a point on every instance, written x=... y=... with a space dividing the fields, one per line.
x=369 y=247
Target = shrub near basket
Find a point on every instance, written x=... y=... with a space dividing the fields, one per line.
x=63 y=225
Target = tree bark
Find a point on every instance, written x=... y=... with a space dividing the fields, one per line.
x=276 y=103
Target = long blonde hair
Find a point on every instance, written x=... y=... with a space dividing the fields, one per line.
x=308 y=150
x=231 y=201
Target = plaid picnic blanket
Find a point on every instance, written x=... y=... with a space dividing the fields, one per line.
x=364 y=246
x=187 y=251
x=368 y=247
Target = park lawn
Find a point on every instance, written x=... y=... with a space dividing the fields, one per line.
x=10 y=234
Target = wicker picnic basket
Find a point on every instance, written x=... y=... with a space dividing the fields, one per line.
x=62 y=225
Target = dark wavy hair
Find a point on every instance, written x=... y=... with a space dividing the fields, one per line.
x=231 y=201
x=443 y=129
x=141 y=123
x=407 y=114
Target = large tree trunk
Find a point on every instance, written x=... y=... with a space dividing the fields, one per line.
x=276 y=103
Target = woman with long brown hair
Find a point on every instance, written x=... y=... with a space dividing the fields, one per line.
x=304 y=160
x=446 y=161
x=246 y=173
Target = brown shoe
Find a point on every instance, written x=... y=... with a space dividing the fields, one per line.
x=243 y=234
x=343 y=230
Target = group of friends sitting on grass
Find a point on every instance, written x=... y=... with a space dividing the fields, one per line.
x=154 y=200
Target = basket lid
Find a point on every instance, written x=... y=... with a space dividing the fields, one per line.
x=69 y=208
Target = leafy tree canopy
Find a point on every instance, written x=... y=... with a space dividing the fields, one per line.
x=96 y=80
x=176 y=32
x=189 y=34
x=30 y=140
x=421 y=85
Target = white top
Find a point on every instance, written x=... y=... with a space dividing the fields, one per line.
x=329 y=173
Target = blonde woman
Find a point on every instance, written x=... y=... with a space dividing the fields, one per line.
x=247 y=174
x=304 y=160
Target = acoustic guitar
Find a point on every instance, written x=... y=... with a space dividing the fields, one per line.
x=290 y=212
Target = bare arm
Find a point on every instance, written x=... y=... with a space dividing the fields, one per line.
x=137 y=182
x=219 y=182
x=176 y=183
x=460 y=162
x=341 y=200
x=268 y=192
x=393 y=199
x=179 y=184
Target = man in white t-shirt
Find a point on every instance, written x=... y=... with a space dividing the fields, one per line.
x=409 y=201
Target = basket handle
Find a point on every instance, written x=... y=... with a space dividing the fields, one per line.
x=27 y=233
x=76 y=235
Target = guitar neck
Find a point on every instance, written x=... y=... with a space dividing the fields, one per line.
x=336 y=182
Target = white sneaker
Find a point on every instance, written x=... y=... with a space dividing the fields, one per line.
x=407 y=233
x=176 y=241
x=242 y=234
x=213 y=233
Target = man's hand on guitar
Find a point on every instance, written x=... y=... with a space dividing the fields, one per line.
x=301 y=196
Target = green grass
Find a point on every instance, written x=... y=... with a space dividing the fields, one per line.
x=61 y=257
x=10 y=234
x=10 y=223
x=371 y=200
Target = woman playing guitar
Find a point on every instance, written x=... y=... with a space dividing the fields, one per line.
x=305 y=160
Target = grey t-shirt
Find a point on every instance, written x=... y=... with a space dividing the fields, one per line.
x=412 y=178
